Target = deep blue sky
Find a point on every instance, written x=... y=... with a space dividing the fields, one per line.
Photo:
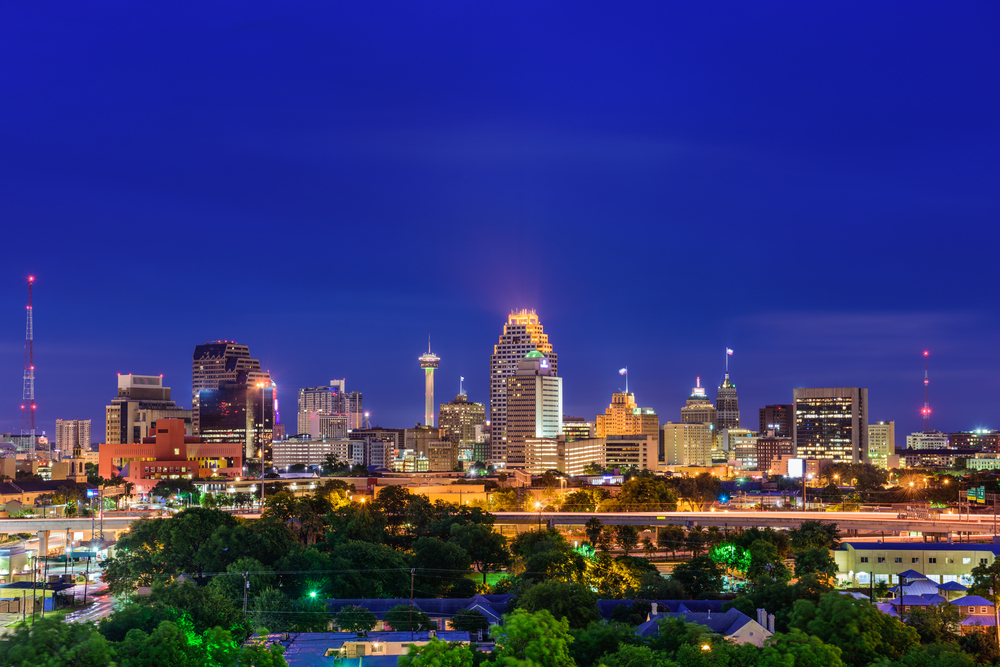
x=815 y=185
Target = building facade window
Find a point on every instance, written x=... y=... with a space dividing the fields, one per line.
x=932 y=561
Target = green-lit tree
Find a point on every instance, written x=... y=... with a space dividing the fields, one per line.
x=533 y=639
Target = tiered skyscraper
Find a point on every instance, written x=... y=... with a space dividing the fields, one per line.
x=221 y=361
x=521 y=334
x=233 y=400
x=699 y=408
x=727 y=406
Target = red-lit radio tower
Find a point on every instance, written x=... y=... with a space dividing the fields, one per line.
x=926 y=412
x=28 y=396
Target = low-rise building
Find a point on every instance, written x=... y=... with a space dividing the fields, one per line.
x=169 y=454
x=858 y=562
x=983 y=461
x=935 y=458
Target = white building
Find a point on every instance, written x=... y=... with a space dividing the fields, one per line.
x=927 y=440
x=881 y=443
x=71 y=433
x=534 y=406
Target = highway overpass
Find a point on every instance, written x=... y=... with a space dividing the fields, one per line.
x=862 y=521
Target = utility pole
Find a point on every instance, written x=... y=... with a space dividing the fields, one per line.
x=34 y=577
x=413 y=572
x=246 y=590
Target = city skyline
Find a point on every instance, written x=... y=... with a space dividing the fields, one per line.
x=287 y=394
x=812 y=187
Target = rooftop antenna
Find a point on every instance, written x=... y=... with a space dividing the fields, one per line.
x=624 y=371
x=461 y=389
x=28 y=394
x=926 y=412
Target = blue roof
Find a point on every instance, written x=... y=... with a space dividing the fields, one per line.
x=972 y=601
x=720 y=623
x=911 y=601
x=911 y=574
x=952 y=586
x=922 y=546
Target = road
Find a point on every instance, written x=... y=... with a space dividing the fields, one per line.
x=867 y=521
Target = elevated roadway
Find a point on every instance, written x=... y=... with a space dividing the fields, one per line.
x=862 y=521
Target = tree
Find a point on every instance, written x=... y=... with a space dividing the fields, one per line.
x=440 y=565
x=765 y=563
x=815 y=560
x=936 y=624
x=862 y=632
x=470 y=620
x=615 y=578
x=700 y=577
x=670 y=538
x=630 y=655
x=369 y=570
x=632 y=614
x=798 y=649
x=573 y=602
x=583 y=500
x=392 y=501
x=644 y=494
x=594 y=469
x=627 y=537
x=536 y=639
x=813 y=535
x=597 y=639
x=403 y=617
x=52 y=642
x=166 y=646
x=271 y=609
x=593 y=529
x=654 y=586
x=486 y=548
x=437 y=653
x=231 y=586
x=200 y=607
x=695 y=540
x=354 y=618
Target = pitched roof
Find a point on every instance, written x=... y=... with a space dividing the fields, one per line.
x=911 y=574
x=972 y=601
x=952 y=586
x=725 y=623
x=493 y=609
x=910 y=601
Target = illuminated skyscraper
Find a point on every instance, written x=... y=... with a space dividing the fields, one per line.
x=221 y=361
x=141 y=401
x=521 y=334
x=698 y=409
x=832 y=423
x=534 y=406
x=625 y=417
x=459 y=421
x=881 y=443
x=727 y=406
x=429 y=362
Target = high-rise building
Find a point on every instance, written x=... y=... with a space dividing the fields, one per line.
x=625 y=417
x=569 y=457
x=458 y=421
x=881 y=443
x=71 y=433
x=777 y=418
x=429 y=362
x=332 y=400
x=533 y=406
x=727 y=406
x=831 y=423
x=521 y=334
x=699 y=408
x=927 y=440
x=578 y=428
x=687 y=444
x=234 y=412
x=141 y=401
x=222 y=361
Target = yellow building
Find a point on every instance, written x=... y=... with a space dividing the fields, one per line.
x=881 y=443
x=569 y=457
x=687 y=444
x=624 y=417
x=940 y=562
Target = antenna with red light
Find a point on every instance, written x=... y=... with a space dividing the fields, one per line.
x=28 y=394
x=926 y=412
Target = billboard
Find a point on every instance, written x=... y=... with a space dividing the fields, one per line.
x=796 y=467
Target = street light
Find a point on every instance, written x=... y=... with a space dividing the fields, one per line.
x=538 y=506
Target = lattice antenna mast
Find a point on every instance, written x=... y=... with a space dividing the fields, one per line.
x=926 y=412
x=28 y=394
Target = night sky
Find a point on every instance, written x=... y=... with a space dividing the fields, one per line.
x=815 y=185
